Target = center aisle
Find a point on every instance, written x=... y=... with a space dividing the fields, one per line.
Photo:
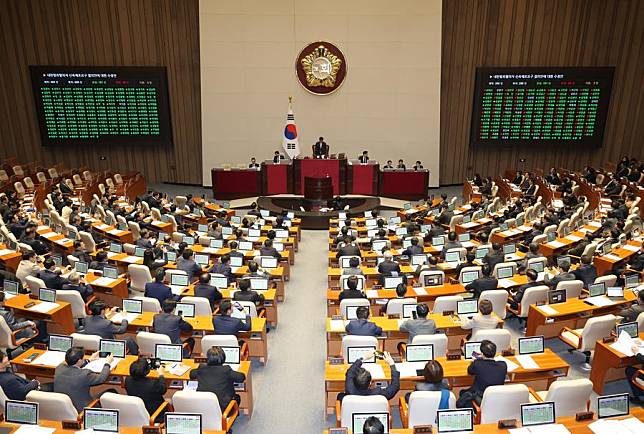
x=289 y=390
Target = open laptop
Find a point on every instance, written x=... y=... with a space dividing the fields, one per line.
x=21 y=412
x=438 y=242
x=631 y=281
x=345 y=284
x=629 y=327
x=469 y=276
x=178 y=283
x=504 y=272
x=378 y=245
x=540 y=413
x=183 y=423
x=455 y=421
x=612 y=405
x=10 y=288
x=114 y=347
x=168 y=352
x=110 y=272
x=537 y=266
x=409 y=310
x=139 y=252
x=471 y=347
x=60 y=343
x=596 y=289
x=216 y=244
x=454 y=258
x=101 y=419
x=172 y=256
x=466 y=309
x=258 y=284
x=392 y=282
x=418 y=355
x=47 y=294
x=358 y=420
x=219 y=282
x=563 y=260
x=186 y=310
x=433 y=280
x=226 y=231
x=233 y=356
x=510 y=252
x=202 y=259
x=615 y=292
x=531 y=345
x=81 y=267
x=268 y=262
x=132 y=308
x=556 y=296
x=552 y=236
x=236 y=262
x=481 y=252
x=357 y=352
x=417 y=260
x=245 y=245
x=189 y=240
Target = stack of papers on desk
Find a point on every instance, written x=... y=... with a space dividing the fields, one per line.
x=485 y=220
x=527 y=362
x=594 y=224
x=338 y=324
x=573 y=238
x=103 y=281
x=548 y=310
x=612 y=257
x=600 y=301
x=114 y=231
x=553 y=428
x=524 y=228
x=506 y=283
x=411 y=211
x=110 y=255
x=469 y=225
x=49 y=235
x=177 y=369
x=468 y=244
x=625 y=426
x=408 y=369
x=555 y=244
x=102 y=226
x=376 y=371
x=372 y=293
x=130 y=259
x=511 y=365
x=625 y=343
x=42 y=228
x=50 y=358
x=34 y=429
x=119 y=317
x=630 y=248
x=44 y=307
x=97 y=365
x=6 y=252
x=420 y=290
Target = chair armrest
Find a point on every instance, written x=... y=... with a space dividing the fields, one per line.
x=637 y=375
x=158 y=411
x=477 y=412
x=229 y=415
x=90 y=300
x=338 y=412
x=404 y=412
x=510 y=309
x=568 y=329
x=261 y=312
x=244 y=351
x=18 y=342
x=534 y=394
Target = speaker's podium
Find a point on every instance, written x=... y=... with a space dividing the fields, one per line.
x=333 y=168
x=277 y=177
x=362 y=178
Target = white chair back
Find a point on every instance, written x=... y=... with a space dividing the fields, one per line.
x=503 y=402
x=395 y=305
x=466 y=269
x=424 y=274
x=573 y=288
x=346 y=303
x=3 y=396
x=149 y=304
x=202 y=305
x=352 y=404
x=439 y=341
x=357 y=341
x=86 y=342
x=608 y=280
x=132 y=411
x=361 y=284
x=504 y=264
x=53 y=406
x=596 y=329
x=209 y=341
x=534 y=295
x=88 y=240
x=423 y=407
x=570 y=396
x=6 y=340
x=139 y=276
x=74 y=298
x=446 y=303
x=34 y=284
x=147 y=341
x=204 y=403
x=499 y=300
x=501 y=338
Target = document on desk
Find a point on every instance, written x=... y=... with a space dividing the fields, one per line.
x=573 y=238
x=553 y=428
x=376 y=371
x=625 y=343
x=49 y=235
x=44 y=307
x=34 y=429
x=420 y=291
x=469 y=225
x=548 y=310
x=42 y=228
x=600 y=301
x=506 y=283
x=527 y=362
x=612 y=257
x=50 y=358
x=372 y=293
x=337 y=325
x=177 y=369
x=555 y=244
x=408 y=369
x=103 y=281
x=511 y=365
x=630 y=248
x=102 y=226
x=625 y=426
x=97 y=365
x=6 y=252
x=130 y=259
x=115 y=232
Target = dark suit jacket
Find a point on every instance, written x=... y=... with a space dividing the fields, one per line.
x=52 y=279
x=486 y=373
x=208 y=291
x=219 y=380
x=249 y=295
x=483 y=284
x=170 y=325
x=363 y=327
x=351 y=293
x=150 y=390
x=16 y=387
x=493 y=258
x=75 y=383
x=518 y=296
x=227 y=325
x=445 y=217
x=189 y=266
x=388 y=392
x=586 y=273
x=413 y=250
x=223 y=269
x=559 y=278
x=94 y=265
x=386 y=267
x=159 y=291
x=270 y=252
x=106 y=329
x=630 y=314
x=348 y=250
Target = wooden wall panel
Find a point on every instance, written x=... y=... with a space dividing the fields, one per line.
x=103 y=32
x=540 y=33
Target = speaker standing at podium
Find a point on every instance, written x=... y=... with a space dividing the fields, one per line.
x=364 y=158
x=320 y=149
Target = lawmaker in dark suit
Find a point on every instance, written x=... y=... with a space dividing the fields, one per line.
x=320 y=149
x=486 y=372
x=563 y=276
x=362 y=326
x=158 y=289
x=150 y=390
x=218 y=378
x=414 y=249
x=75 y=382
x=445 y=217
x=349 y=248
x=74 y=284
x=206 y=290
x=630 y=314
x=532 y=276
x=477 y=286
x=14 y=386
x=388 y=266
x=268 y=250
x=277 y=157
x=586 y=272
x=225 y=324
x=187 y=264
x=246 y=294
x=171 y=325
x=358 y=380
x=97 y=324
x=99 y=262
x=51 y=276
x=223 y=268
x=494 y=257
x=351 y=291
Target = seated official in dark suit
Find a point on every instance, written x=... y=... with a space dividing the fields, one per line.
x=353 y=269
x=358 y=380
x=204 y=289
x=414 y=249
x=349 y=248
x=158 y=289
x=515 y=299
x=418 y=165
x=253 y=163
x=81 y=252
x=268 y=250
x=75 y=382
x=486 y=372
x=223 y=268
x=389 y=165
x=51 y=276
x=150 y=390
x=362 y=326
x=277 y=157
x=630 y=314
x=320 y=149
x=187 y=263
x=225 y=324
x=401 y=165
x=100 y=261
x=563 y=275
x=388 y=266
x=97 y=324
x=586 y=272
x=494 y=257
x=445 y=216
x=421 y=325
x=14 y=386
x=170 y=324
x=74 y=284
x=29 y=238
x=470 y=257
x=234 y=253
x=218 y=378
x=483 y=283
x=246 y=294
x=351 y=291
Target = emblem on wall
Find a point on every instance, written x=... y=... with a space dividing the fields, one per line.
x=321 y=68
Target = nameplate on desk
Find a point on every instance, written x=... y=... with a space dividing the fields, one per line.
x=508 y=353
x=584 y=415
x=338 y=430
x=150 y=429
x=448 y=312
x=200 y=359
x=336 y=361
x=71 y=424
x=453 y=355
x=507 y=423
x=422 y=429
